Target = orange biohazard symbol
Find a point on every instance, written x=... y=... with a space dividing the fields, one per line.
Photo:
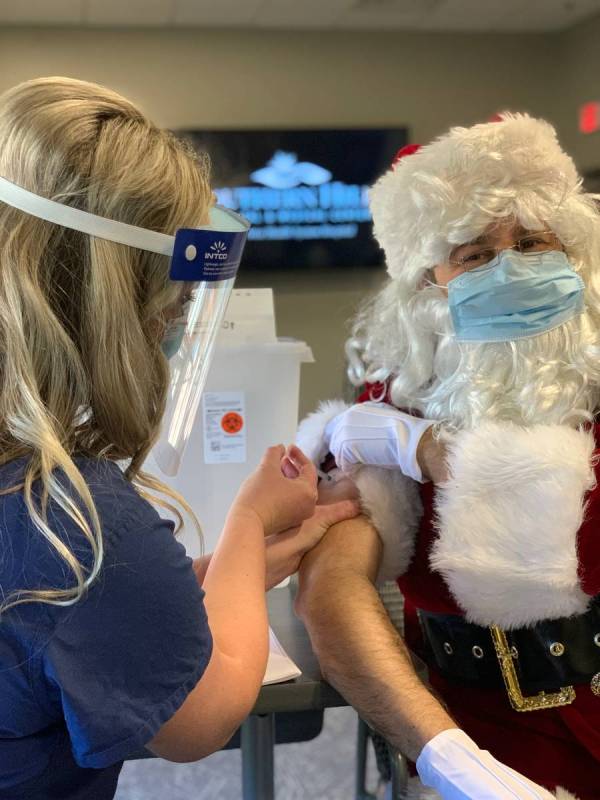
x=232 y=422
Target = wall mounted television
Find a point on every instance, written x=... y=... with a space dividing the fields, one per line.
x=304 y=191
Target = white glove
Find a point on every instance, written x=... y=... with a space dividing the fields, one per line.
x=453 y=765
x=376 y=434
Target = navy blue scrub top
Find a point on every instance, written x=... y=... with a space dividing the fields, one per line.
x=82 y=687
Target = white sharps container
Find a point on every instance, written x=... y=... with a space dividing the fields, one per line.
x=250 y=402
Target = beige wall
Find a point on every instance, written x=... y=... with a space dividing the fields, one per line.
x=317 y=309
x=578 y=83
x=236 y=79
x=260 y=78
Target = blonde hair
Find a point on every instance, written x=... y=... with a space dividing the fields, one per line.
x=81 y=369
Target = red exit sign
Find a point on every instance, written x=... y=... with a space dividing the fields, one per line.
x=589 y=117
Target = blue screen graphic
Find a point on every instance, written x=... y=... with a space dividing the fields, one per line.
x=305 y=192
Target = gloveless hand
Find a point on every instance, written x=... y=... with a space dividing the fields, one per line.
x=286 y=550
x=279 y=501
x=431 y=457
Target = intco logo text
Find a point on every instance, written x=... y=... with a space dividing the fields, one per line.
x=219 y=252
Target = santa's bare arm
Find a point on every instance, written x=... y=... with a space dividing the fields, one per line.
x=359 y=650
x=363 y=656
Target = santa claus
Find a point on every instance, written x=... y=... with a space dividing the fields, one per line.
x=475 y=451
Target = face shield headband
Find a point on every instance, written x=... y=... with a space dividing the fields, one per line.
x=203 y=265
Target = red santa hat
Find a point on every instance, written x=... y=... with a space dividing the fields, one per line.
x=407 y=150
x=439 y=195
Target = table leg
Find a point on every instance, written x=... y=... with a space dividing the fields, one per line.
x=399 y=773
x=258 y=744
x=360 y=775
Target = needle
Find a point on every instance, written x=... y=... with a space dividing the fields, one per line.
x=324 y=475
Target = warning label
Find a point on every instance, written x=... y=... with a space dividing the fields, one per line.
x=232 y=422
x=224 y=428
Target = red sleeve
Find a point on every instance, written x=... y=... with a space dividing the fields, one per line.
x=588 y=537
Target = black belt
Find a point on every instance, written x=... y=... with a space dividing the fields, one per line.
x=550 y=655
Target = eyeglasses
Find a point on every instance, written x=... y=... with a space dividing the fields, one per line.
x=531 y=244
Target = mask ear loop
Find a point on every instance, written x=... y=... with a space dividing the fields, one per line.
x=379 y=398
x=427 y=280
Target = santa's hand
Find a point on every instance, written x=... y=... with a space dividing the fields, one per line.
x=453 y=765
x=432 y=457
x=379 y=435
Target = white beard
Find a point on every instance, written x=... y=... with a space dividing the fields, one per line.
x=550 y=378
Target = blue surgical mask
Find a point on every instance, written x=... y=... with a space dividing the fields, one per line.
x=172 y=339
x=515 y=297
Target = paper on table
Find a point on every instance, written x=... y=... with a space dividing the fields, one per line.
x=280 y=666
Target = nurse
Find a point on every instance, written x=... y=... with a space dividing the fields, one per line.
x=111 y=639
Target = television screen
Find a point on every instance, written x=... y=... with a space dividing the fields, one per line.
x=304 y=191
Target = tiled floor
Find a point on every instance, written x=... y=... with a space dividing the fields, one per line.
x=322 y=769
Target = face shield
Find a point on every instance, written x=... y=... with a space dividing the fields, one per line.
x=203 y=265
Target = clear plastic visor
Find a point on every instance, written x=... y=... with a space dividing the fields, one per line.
x=191 y=330
x=203 y=266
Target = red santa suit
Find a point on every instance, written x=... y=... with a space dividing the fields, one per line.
x=554 y=747
x=513 y=551
x=511 y=541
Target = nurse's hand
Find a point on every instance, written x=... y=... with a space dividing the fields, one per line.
x=280 y=501
x=286 y=550
x=453 y=765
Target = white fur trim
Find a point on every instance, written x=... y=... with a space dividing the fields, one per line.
x=562 y=794
x=311 y=431
x=392 y=502
x=508 y=522
x=451 y=189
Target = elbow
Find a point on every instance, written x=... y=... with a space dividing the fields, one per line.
x=329 y=667
x=197 y=751
x=214 y=710
x=194 y=748
x=301 y=601
x=309 y=596
x=310 y=606
x=316 y=604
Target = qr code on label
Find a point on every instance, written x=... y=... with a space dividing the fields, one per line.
x=215 y=446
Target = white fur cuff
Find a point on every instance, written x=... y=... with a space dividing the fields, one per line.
x=508 y=522
x=392 y=502
x=311 y=431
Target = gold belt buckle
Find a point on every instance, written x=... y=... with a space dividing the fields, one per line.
x=563 y=697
